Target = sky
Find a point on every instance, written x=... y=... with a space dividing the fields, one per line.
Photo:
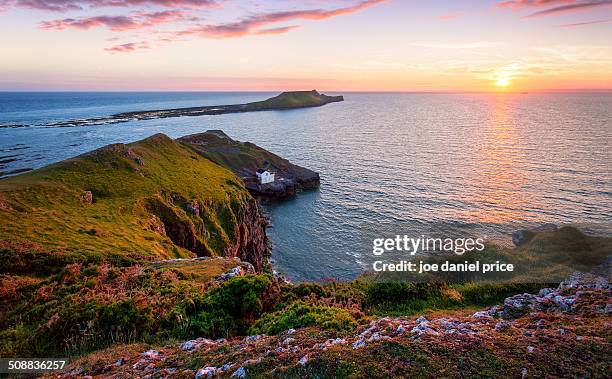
x=330 y=45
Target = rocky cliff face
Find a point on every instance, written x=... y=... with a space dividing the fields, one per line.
x=187 y=224
x=251 y=244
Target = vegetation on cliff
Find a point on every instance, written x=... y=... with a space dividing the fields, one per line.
x=83 y=244
x=153 y=199
x=560 y=332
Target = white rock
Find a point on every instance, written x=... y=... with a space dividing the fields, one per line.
x=482 y=314
x=207 y=372
x=256 y=337
x=359 y=343
x=240 y=373
x=303 y=360
x=288 y=340
x=188 y=345
x=150 y=354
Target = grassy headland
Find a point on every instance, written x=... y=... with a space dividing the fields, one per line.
x=153 y=199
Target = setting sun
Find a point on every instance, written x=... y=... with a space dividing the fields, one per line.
x=502 y=82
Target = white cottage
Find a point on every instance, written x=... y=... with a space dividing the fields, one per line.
x=264 y=176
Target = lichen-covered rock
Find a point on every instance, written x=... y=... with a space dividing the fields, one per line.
x=86 y=197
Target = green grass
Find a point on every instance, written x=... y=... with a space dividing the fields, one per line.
x=241 y=158
x=301 y=314
x=295 y=99
x=130 y=185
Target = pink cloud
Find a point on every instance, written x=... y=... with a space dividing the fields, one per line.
x=128 y=47
x=586 y=23
x=116 y=23
x=257 y=24
x=280 y=30
x=253 y=24
x=68 y=5
x=567 y=8
x=553 y=7
x=519 y=4
x=451 y=15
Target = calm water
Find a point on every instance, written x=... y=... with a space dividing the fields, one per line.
x=483 y=164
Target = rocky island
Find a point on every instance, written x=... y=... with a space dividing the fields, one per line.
x=284 y=101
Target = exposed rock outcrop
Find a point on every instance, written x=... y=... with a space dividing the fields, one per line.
x=248 y=242
x=86 y=197
x=522 y=236
x=251 y=243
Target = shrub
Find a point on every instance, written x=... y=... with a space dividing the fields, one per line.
x=301 y=314
x=230 y=309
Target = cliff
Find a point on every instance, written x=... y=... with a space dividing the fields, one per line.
x=244 y=158
x=149 y=200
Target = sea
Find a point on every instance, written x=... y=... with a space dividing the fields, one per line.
x=466 y=164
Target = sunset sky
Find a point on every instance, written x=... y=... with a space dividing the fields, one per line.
x=333 y=45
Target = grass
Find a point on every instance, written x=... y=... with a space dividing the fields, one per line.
x=301 y=314
x=133 y=187
x=294 y=99
x=241 y=158
x=86 y=308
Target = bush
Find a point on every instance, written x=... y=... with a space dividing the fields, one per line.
x=230 y=309
x=301 y=314
x=83 y=308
